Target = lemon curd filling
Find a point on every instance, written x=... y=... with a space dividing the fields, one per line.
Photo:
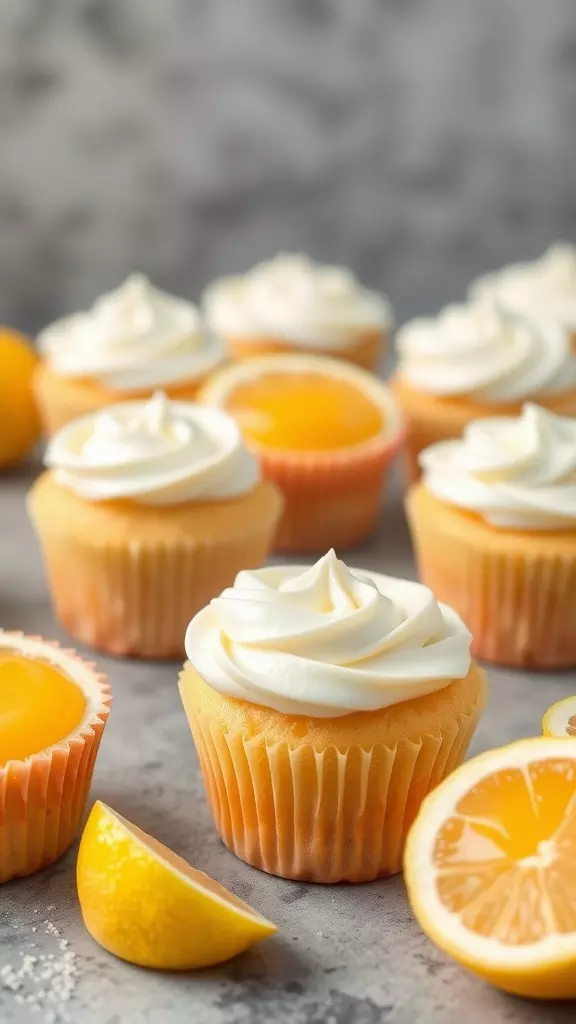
x=39 y=706
x=304 y=412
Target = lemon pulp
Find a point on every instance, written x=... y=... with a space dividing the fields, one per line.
x=304 y=412
x=39 y=706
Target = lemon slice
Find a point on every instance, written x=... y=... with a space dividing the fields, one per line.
x=560 y=719
x=490 y=867
x=146 y=905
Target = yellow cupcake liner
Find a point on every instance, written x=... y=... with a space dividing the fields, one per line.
x=138 y=599
x=127 y=578
x=330 y=815
x=514 y=591
x=42 y=798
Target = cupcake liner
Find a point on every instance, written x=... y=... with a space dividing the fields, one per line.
x=135 y=595
x=412 y=448
x=330 y=499
x=330 y=815
x=42 y=798
x=61 y=399
x=367 y=351
x=139 y=601
x=515 y=591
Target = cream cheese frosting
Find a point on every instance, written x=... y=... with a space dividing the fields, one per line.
x=297 y=300
x=326 y=641
x=133 y=338
x=516 y=472
x=155 y=453
x=546 y=285
x=486 y=352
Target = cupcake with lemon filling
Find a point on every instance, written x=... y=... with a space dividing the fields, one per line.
x=542 y=287
x=53 y=709
x=146 y=511
x=324 y=703
x=293 y=304
x=324 y=432
x=494 y=527
x=477 y=360
x=130 y=343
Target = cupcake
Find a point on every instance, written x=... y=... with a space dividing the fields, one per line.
x=546 y=286
x=148 y=509
x=130 y=343
x=294 y=304
x=326 y=432
x=478 y=360
x=494 y=527
x=53 y=709
x=325 y=703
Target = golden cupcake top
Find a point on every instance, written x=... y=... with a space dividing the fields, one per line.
x=47 y=695
x=296 y=299
x=154 y=452
x=486 y=351
x=304 y=403
x=517 y=472
x=134 y=338
x=326 y=640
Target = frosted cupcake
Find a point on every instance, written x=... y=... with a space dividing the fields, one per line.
x=294 y=304
x=130 y=343
x=546 y=286
x=494 y=527
x=325 y=703
x=53 y=710
x=325 y=432
x=147 y=510
x=478 y=360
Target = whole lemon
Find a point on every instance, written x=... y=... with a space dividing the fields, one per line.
x=19 y=423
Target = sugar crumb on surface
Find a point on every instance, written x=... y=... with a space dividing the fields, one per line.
x=45 y=982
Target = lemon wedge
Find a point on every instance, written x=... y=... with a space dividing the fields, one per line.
x=146 y=905
x=560 y=719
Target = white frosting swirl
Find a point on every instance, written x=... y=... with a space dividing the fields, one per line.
x=516 y=472
x=326 y=641
x=544 y=286
x=486 y=352
x=136 y=337
x=155 y=453
x=296 y=300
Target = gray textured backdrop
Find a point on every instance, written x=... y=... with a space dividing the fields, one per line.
x=419 y=141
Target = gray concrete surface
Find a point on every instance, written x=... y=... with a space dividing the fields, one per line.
x=419 y=141
x=344 y=955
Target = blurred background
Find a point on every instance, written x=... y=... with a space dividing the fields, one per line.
x=418 y=141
